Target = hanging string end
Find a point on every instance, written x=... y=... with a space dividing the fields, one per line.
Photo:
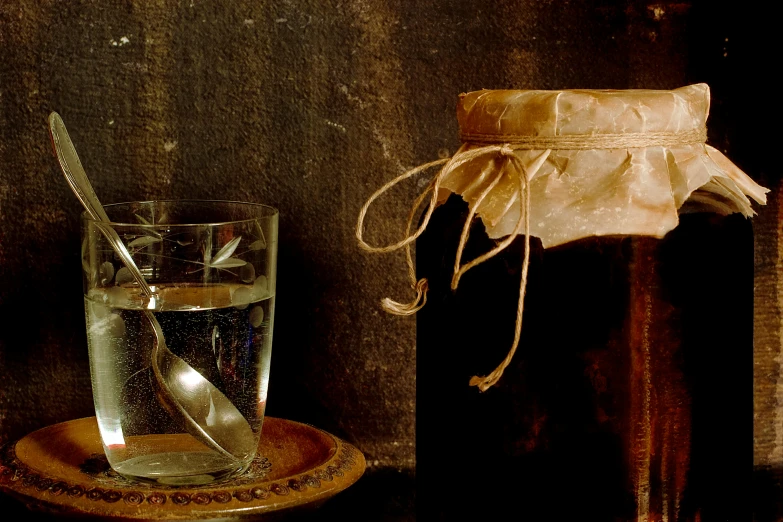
x=485 y=383
x=396 y=308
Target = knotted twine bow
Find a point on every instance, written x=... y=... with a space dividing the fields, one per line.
x=513 y=164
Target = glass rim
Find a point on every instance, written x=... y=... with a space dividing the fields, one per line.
x=272 y=212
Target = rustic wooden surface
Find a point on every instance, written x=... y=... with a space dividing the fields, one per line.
x=310 y=106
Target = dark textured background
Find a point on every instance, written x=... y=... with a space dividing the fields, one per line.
x=309 y=106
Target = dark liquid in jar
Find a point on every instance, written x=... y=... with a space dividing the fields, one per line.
x=630 y=394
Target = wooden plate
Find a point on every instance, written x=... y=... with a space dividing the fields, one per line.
x=62 y=469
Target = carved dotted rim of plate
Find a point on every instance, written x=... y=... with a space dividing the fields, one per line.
x=20 y=477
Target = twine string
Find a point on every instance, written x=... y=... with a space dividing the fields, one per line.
x=461 y=157
x=630 y=140
x=419 y=286
x=505 y=146
x=460 y=269
x=486 y=382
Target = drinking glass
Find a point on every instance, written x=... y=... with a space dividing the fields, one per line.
x=211 y=266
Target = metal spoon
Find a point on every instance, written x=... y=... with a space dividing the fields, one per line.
x=184 y=392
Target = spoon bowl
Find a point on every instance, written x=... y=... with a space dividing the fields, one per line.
x=192 y=400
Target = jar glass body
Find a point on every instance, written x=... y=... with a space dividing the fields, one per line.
x=629 y=396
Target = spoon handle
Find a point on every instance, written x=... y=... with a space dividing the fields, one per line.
x=81 y=186
x=73 y=170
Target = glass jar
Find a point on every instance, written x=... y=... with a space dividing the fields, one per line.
x=629 y=397
x=586 y=257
